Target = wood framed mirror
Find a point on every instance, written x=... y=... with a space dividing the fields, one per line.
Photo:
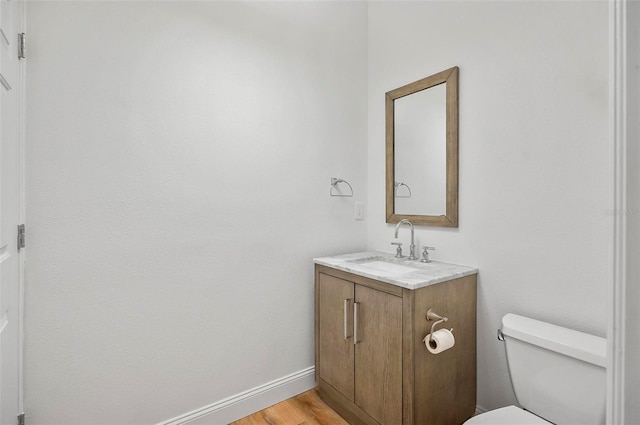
x=422 y=151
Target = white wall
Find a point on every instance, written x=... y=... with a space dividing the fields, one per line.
x=535 y=159
x=179 y=157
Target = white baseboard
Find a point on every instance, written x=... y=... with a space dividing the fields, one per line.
x=247 y=402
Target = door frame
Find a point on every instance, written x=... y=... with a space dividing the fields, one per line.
x=22 y=6
x=624 y=297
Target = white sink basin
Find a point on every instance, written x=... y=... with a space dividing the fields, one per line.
x=384 y=265
x=387 y=267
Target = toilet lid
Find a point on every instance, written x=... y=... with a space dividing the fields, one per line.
x=510 y=415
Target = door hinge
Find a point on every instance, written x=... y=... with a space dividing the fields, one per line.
x=21 y=236
x=22 y=45
x=21 y=419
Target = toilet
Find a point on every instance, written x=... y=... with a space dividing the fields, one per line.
x=558 y=375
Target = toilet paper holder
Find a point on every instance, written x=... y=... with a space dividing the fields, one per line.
x=434 y=317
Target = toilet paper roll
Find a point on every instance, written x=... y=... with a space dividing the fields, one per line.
x=442 y=340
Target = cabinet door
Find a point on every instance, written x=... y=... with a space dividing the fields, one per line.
x=378 y=354
x=335 y=342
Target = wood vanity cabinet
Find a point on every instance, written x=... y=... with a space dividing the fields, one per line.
x=371 y=364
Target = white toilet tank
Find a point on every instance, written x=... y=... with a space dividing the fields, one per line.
x=557 y=373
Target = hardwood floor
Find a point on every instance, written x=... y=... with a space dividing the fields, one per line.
x=304 y=409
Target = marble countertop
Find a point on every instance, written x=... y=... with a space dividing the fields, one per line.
x=385 y=267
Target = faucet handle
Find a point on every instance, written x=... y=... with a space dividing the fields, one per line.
x=425 y=254
x=399 y=250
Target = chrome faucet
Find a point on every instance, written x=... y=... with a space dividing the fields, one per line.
x=412 y=247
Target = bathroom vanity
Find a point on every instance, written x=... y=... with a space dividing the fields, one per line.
x=372 y=365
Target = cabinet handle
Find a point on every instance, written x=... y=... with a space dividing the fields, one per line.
x=355 y=323
x=346 y=320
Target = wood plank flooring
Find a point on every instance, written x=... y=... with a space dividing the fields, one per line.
x=304 y=409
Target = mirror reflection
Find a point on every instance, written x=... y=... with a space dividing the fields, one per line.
x=422 y=151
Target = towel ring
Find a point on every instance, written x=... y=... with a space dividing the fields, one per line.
x=334 y=183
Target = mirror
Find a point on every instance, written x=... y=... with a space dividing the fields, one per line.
x=422 y=151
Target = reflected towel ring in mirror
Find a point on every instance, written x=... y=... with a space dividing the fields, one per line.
x=334 y=185
x=408 y=195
